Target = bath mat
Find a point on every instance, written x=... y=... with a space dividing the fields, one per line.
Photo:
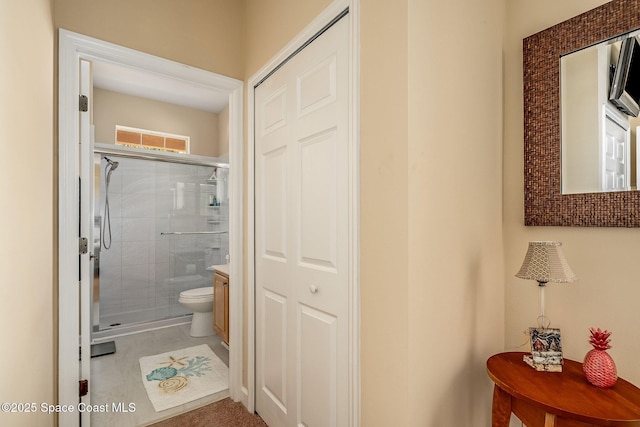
x=177 y=377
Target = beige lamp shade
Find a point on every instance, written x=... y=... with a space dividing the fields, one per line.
x=545 y=262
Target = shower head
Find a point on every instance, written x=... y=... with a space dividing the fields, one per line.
x=113 y=164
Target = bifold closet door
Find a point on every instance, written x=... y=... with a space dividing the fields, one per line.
x=301 y=220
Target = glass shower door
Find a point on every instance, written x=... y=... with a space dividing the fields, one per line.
x=169 y=222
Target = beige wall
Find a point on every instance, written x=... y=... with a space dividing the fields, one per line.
x=113 y=108
x=454 y=210
x=384 y=196
x=203 y=33
x=223 y=133
x=581 y=112
x=28 y=215
x=270 y=24
x=435 y=284
x=604 y=259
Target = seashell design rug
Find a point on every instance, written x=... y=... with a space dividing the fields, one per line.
x=180 y=376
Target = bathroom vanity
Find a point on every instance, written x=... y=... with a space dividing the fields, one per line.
x=221 y=301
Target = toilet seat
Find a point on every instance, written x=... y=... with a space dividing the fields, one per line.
x=198 y=293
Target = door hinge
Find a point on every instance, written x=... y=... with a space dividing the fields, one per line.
x=83 y=245
x=84 y=387
x=84 y=103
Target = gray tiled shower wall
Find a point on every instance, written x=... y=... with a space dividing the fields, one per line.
x=143 y=272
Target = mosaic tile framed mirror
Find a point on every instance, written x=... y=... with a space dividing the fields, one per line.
x=545 y=202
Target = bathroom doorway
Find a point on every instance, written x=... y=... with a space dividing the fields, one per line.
x=73 y=49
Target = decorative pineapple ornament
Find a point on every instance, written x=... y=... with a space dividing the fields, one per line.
x=598 y=366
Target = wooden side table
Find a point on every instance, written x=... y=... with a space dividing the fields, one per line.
x=558 y=399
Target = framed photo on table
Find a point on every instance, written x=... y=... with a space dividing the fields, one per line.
x=546 y=349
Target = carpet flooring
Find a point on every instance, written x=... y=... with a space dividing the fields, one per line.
x=224 y=413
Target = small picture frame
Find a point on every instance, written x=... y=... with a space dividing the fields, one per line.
x=546 y=349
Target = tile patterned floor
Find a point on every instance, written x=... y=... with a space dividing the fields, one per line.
x=116 y=378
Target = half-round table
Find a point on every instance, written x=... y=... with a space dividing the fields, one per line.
x=558 y=399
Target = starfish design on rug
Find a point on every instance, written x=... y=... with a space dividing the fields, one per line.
x=173 y=360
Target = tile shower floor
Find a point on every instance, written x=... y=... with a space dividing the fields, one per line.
x=116 y=378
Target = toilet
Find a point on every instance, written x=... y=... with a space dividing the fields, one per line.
x=200 y=301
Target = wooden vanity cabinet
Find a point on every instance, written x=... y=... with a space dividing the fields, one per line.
x=221 y=305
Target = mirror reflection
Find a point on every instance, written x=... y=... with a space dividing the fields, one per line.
x=599 y=98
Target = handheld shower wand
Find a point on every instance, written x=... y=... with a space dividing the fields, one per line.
x=106 y=225
x=111 y=163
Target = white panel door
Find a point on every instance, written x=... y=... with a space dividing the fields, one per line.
x=615 y=153
x=301 y=215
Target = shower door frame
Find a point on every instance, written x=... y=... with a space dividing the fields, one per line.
x=72 y=48
x=101 y=149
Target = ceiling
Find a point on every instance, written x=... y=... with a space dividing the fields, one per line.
x=158 y=87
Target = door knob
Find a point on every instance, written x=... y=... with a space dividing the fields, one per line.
x=313 y=289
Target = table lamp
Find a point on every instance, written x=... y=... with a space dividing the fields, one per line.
x=545 y=262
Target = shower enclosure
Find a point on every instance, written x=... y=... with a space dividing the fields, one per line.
x=167 y=221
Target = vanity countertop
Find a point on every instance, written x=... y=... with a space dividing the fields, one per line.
x=222 y=268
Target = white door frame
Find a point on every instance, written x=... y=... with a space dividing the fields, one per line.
x=72 y=47
x=320 y=22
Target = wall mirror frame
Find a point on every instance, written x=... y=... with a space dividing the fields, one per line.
x=544 y=203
